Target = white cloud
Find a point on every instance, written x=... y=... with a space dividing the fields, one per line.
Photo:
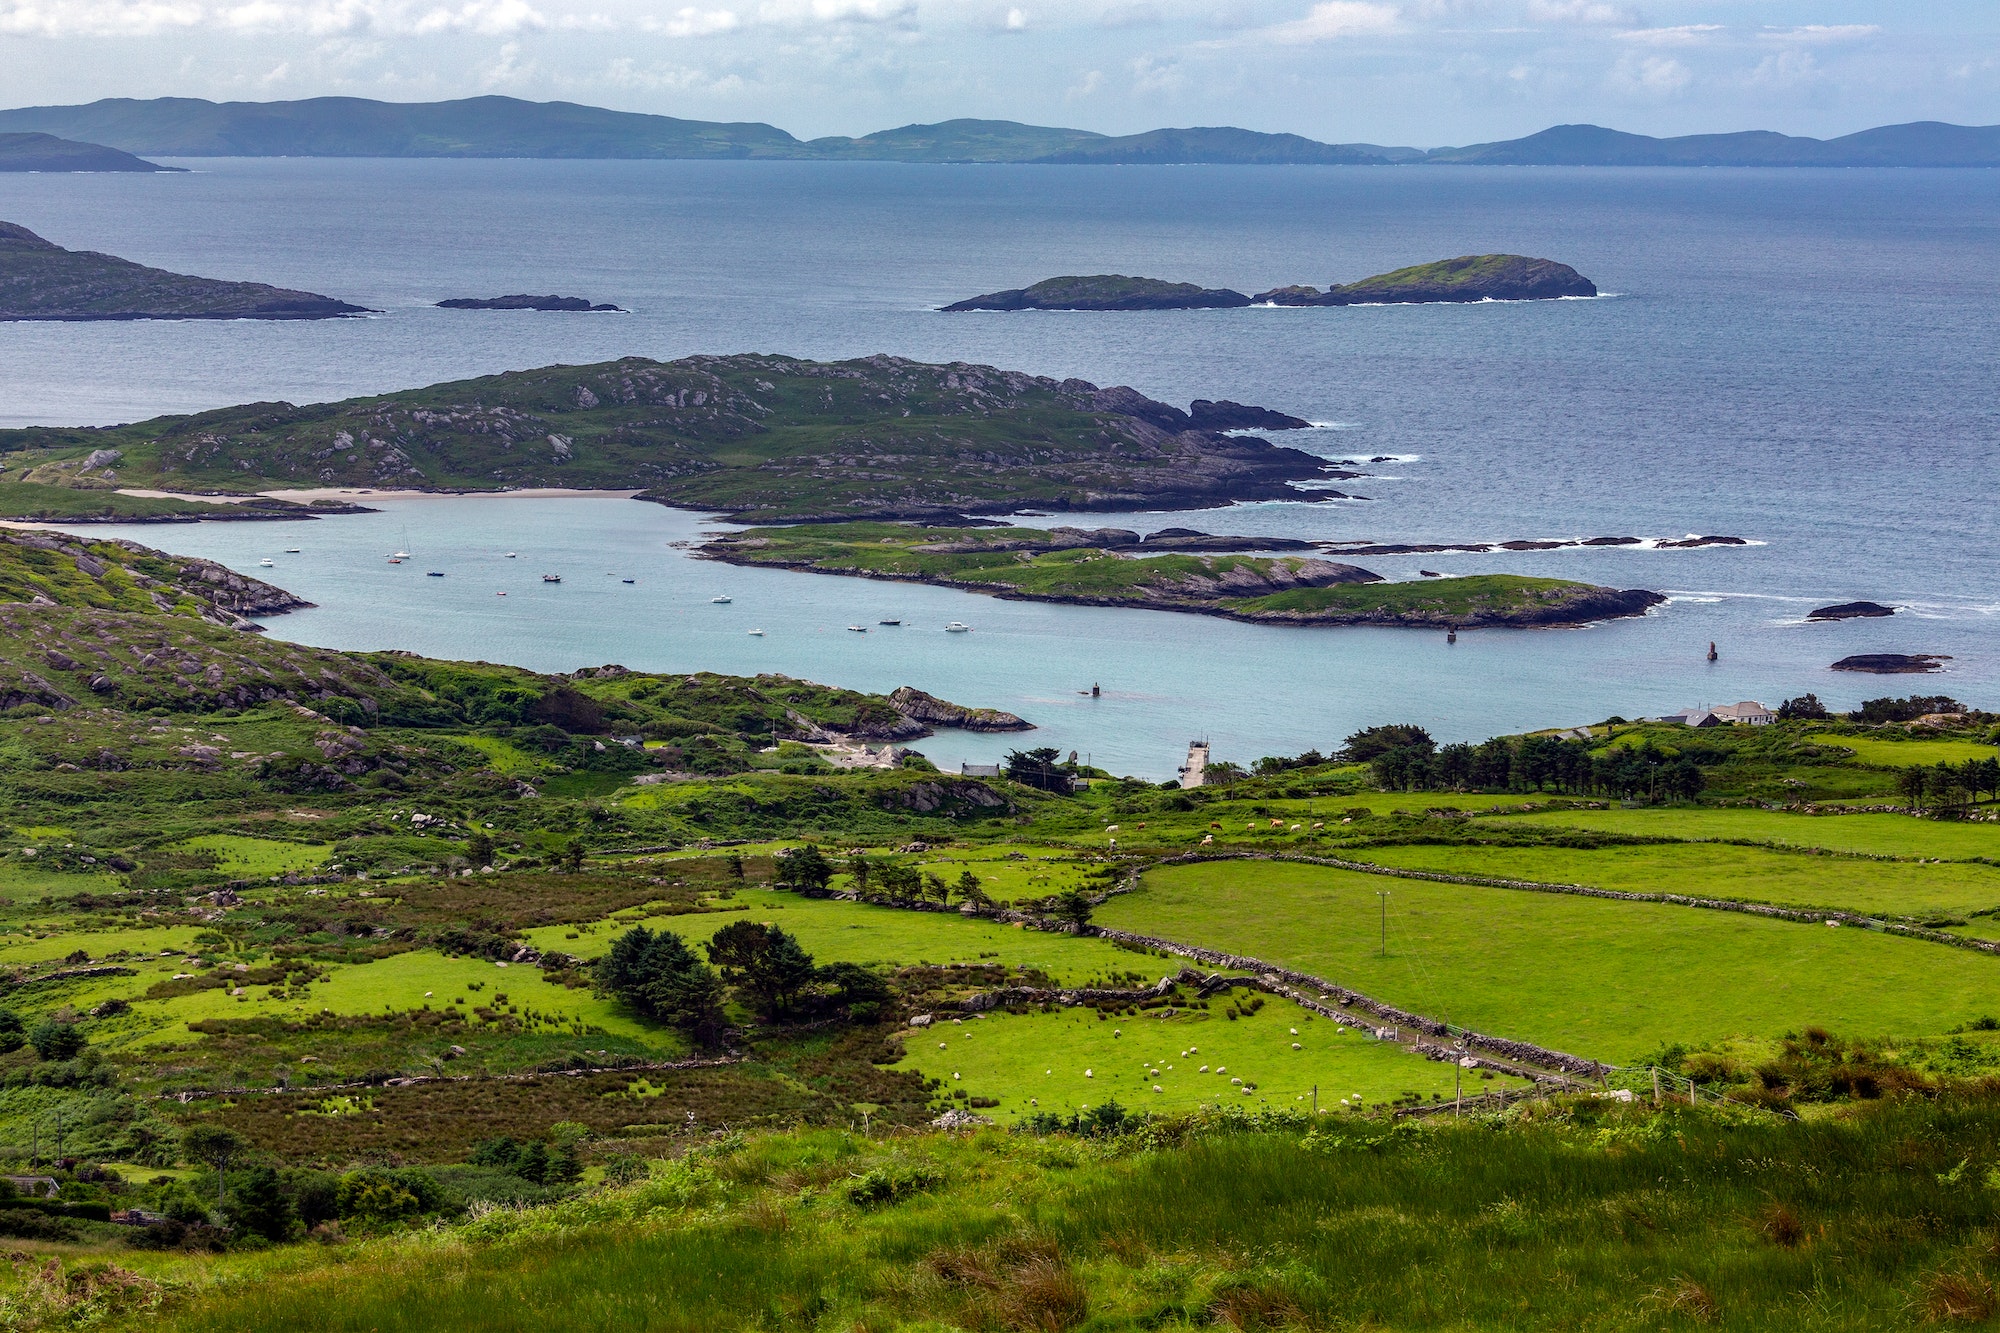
x=1786 y=70
x=1085 y=86
x=1649 y=76
x=1332 y=20
x=97 y=18
x=1594 y=13
x=1820 y=34
x=1156 y=74
x=1016 y=21
x=692 y=22
x=1686 y=34
x=489 y=17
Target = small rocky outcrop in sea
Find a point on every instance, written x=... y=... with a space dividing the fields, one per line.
x=1893 y=664
x=932 y=711
x=1851 y=611
x=40 y=280
x=1467 y=278
x=521 y=301
x=1105 y=291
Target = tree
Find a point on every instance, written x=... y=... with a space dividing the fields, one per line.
x=573 y=856
x=13 y=1035
x=857 y=989
x=659 y=976
x=54 y=1039
x=1038 y=768
x=216 y=1145
x=969 y=889
x=479 y=849
x=934 y=888
x=260 y=1206
x=1073 y=906
x=857 y=870
x=803 y=868
x=763 y=961
x=899 y=881
x=1369 y=742
x=1911 y=784
x=1805 y=708
x=735 y=863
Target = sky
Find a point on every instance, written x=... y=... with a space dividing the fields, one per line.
x=1418 y=72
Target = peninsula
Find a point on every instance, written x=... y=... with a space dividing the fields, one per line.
x=46 y=152
x=1102 y=568
x=1467 y=278
x=40 y=280
x=523 y=302
x=765 y=439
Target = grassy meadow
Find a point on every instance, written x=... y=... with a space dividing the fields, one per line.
x=1605 y=979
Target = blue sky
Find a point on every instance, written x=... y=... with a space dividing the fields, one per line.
x=1422 y=72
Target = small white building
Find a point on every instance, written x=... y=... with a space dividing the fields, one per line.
x=1747 y=713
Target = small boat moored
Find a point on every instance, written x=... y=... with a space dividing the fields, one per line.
x=510 y=555
x=757 y=633
x=434 y=573
x=552 y=578
x=958 y=627
x=291 y=550
x=628 y=580
x=888 y=622
x=266 y=563
x=718 y=601
x=858 y=629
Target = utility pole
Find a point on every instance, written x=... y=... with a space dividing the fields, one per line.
x=1315 y=1099
x=1383 y=894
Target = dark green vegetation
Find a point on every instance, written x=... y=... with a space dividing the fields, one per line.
x=508 y=127
x=1066 y=565
x=45 y=152
x=41 y=280
x=765 y=438
x=1467 y=278
x=1105 y=291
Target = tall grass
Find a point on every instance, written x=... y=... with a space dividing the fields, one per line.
x=1584 y=1217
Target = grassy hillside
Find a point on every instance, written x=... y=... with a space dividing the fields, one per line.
x=1561 y=1224
x=764 y=437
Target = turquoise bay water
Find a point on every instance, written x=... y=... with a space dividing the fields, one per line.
x=1166 y=678
x=1802 y=358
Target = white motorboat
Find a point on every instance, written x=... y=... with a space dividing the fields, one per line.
x=266 y=562
x=858 y=629
x=719 y=601
x=958 y=627
x=757 y=633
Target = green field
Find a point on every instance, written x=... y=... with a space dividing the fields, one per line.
x=1751 y=874
x=1072 y=1059
x=1902 y=754
x=1872 y=834
x=1600 y=978
x=256 y=858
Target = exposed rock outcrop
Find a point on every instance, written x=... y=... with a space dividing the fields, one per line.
x=1851 y=611
x=1105 y=291
x=1467 y=278
x=932 y=711
x=521 y=301
x=1893 y=664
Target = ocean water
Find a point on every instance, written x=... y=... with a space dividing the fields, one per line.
x=1800 y=358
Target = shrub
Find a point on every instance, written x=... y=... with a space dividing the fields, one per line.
x=54 y=1039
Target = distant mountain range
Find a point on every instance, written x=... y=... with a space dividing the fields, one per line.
x=509 y=127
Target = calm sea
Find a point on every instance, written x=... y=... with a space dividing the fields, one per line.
x=1801 y=358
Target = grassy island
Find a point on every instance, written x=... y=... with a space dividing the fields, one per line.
x=766 y=438
x=1068 y=565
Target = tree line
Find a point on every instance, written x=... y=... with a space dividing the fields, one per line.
x=1405 y=758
